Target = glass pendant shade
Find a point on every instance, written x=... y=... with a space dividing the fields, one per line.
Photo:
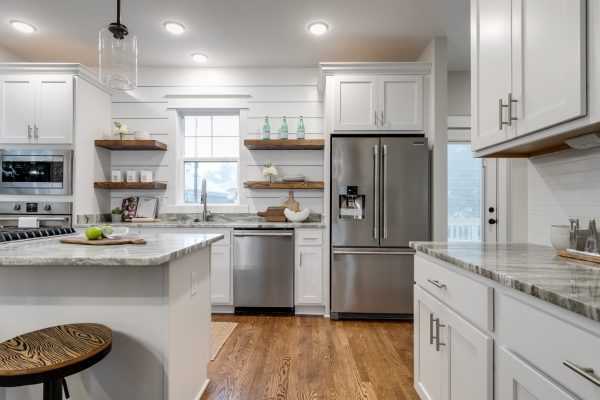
x=118 y=57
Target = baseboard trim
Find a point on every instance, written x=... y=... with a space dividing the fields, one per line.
x=202 y=389
x=310 y=310
x=221 y=309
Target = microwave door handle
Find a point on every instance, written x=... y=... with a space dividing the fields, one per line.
x=376 y=192
x=39 y=218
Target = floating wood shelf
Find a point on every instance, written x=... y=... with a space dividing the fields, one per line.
x=284 y=185
x=129 y=185
x=308 y=144
x=131 y=144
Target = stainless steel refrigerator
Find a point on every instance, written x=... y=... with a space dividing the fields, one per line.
x=380 y=200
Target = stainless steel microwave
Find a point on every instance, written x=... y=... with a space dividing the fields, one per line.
x=29 y=171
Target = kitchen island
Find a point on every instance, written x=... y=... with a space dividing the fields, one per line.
x=155 y=297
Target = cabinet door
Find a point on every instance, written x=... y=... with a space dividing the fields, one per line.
x=355 y=106
x=549 y=62
x=220 y=275
x=468 y=360
x=490 y=71
x=17 y=109
x=428 y=360
x=400 y=102
x=309 y=275
x=54 y=109
x=516 y=380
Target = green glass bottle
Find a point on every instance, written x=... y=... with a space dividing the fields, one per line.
x=283 y=132
x=266 y=130
x=301 y=131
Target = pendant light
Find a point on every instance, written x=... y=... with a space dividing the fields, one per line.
x=118 y=55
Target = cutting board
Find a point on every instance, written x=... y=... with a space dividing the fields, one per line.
x=579 y=256
x=273 y=214
x=291 y=203
x=103 y=242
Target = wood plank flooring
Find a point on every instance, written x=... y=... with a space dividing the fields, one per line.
x=311 y=358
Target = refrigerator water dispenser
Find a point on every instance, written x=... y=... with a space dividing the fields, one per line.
x=352 y=204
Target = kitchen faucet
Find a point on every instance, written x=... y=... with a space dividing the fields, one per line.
x=203 y=197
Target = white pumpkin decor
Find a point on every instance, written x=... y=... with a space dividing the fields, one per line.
x=296 y=216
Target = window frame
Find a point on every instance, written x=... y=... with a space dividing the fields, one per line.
x=182 y=159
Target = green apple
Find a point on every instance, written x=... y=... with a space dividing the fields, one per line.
x=93 y=233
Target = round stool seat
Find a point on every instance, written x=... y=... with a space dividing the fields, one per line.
x=51 y=354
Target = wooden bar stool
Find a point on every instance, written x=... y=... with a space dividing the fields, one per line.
x=49 y=355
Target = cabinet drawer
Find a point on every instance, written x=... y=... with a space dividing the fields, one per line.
x=547 y=342
x=472 y=299
x=309 y=237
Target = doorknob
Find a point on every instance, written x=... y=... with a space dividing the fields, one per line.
x=491 y=221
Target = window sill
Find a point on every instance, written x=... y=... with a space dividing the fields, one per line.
x=213 y=208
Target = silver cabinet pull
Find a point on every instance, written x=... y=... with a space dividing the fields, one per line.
x=382 y=120
x=430 y=328
x=587 y=373
x=375 y=115
x=437 y=284
x=300 y=259
x=28 y=131
x=510 y=109
x=438 y=344
x=35 y=131
x=262 y=234
x=376 y=197
x=501 y=106
x=385 y=185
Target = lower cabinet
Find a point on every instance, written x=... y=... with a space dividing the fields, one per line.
x=220 y=275
x=453 y=359
x=309 y=268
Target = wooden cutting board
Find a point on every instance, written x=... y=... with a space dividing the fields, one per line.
x=291 y=203
x=577 y=256
x=104 y=242
x=273 y=214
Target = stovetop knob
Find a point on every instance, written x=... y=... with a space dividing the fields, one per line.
x=47 y=207
x=17 y=207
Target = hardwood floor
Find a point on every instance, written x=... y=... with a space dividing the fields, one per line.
x=313 y=358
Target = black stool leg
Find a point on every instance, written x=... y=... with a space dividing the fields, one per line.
x=53 y=390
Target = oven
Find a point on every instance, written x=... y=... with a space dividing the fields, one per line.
x=36 y=171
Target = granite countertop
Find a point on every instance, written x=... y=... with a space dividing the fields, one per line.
x=529 y=268
x=161 y=248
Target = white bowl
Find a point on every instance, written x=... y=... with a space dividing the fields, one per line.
x=118 y=232
x=296 y=216
x=141 y=135
x=559 y=236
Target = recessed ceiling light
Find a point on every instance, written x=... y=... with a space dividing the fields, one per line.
x=173 y=27
x=22 y=26
x=318 y=28
x=199 y=57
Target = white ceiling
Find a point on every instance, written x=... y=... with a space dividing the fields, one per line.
x=242 y=33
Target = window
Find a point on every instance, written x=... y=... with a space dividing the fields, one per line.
x=211 y=152
x=465 y=185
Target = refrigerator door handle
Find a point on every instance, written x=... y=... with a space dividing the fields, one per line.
x=373 y=253
x=385 y=194
x=376 y=194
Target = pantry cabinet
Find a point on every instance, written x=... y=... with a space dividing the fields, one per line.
x=36 y=109
x=528 y=67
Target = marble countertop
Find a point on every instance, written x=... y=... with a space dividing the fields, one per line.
x=529 y=268
x=161 y=248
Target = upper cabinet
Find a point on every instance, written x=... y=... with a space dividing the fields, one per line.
x=528 y=69
x=36 y=109
x=375 y=96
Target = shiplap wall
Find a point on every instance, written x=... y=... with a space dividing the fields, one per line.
x=562 y=186
x=257 y=92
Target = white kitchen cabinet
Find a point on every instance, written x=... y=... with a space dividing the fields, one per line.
x=519 y=83
x=36 y=109
x=378 y=103
x=308 y=260
x=220 y=275
x=427 y=359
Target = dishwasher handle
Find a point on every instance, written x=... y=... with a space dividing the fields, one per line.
x=262 y=234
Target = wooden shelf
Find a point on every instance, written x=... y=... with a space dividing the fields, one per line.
x=308 y=144
x=284 y=185
x=131 y=144
x=129 y=185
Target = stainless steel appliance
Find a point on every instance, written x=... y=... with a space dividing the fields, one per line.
x=30 y=171
x=379 y=202
x=48 y=218
x=263 y=270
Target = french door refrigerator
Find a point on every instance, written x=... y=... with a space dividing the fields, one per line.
x=380 y=201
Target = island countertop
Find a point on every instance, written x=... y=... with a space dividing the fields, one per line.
x=160 y=249
x=529 y=268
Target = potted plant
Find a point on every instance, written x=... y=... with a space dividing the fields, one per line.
x=116 y=214
x=120 y=129
x=269 y=171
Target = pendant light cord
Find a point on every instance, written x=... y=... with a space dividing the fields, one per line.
x=119 y=12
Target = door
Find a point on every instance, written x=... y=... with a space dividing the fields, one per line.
x=17 y=109
x=468 y=357
x=404 y=191
x=376 y=281
x=309 y=275
x=220 y=275
x=355 y=106
x=516 y=380
x=355 y=162
x=54 y=110
x=549 y=80
x=427 y=359
x=400 y=102
x=490 y=71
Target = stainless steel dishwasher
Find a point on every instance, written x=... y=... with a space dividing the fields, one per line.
x=263 y=270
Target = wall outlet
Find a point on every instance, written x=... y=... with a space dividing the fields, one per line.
x=194 y=281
